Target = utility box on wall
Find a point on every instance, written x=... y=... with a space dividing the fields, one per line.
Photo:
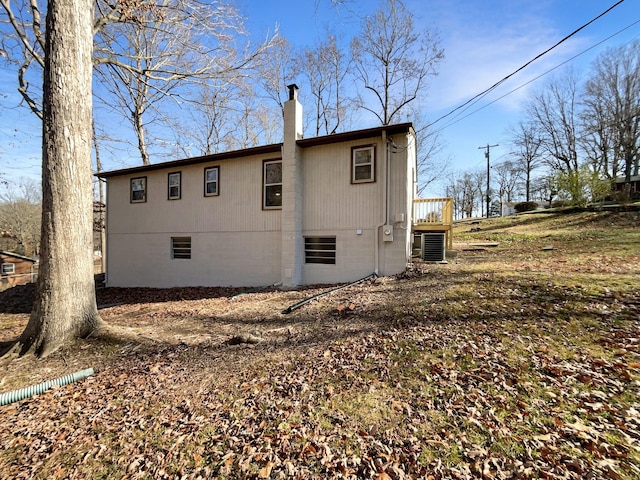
x=433 y=247
x=387 y=233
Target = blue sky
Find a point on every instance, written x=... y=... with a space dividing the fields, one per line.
x=484 y=40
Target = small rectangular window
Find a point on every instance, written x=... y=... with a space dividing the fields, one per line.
x=363 y=164
x=181 y=247
x=211 y=175
x=8 y=268
x=139 y=190
x=175 y=186
x=320 y=250
x=272 y=176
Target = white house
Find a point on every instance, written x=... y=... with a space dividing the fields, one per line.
x=318 y=210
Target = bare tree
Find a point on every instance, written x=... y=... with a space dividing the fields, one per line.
x=392 y=61
x=462 y=189
x=65 y=304
x=612 y=110
x=479 y=182
x=211 y=123
x=25 y=49
x=430 y=165
x=274 y=72
x=181 y=42
x=507 y=175
x=597 y=139
x=326 y=67
x=526 y=142
x=20 y=212
x=146 y=53
x=554 y=110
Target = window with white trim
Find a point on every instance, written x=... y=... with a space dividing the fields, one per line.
x=8 y=268
x=363 y=164
x=175 y=185
x=181 y=247
x=272 y=180
x=211 y=180
x=320 y=250
x=139 y=190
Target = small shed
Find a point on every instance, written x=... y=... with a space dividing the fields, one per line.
x=16 y=269
x=634 y=187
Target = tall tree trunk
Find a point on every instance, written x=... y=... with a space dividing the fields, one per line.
x=65 y=305
x=142 y=144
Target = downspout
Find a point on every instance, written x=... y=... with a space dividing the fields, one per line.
x=376 y=250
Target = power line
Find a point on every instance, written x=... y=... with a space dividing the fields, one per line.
x=495 y=85
x=459 y=119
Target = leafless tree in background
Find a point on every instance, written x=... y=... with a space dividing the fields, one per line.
x=274 y=72
x=526 y=144
x=393 y=62
x=463 y=189
x=507 y=175
x=148 y=55
x=326 y=67
x=153 y=58
x=554 y=110
x=20 y=216
x=612 y=111
x=431 y=166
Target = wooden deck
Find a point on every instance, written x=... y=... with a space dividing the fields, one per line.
x=434 y=215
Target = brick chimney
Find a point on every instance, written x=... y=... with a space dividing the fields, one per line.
x=291 y=221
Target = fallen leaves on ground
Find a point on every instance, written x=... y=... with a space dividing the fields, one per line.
x=465 y=371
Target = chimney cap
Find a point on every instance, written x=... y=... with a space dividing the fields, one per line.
x=293 y=91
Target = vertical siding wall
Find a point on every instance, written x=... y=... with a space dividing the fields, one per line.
x=353 y=212
x=234 y=241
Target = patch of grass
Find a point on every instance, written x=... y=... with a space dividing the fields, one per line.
x=503 y=353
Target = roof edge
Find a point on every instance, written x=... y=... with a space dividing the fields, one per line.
x=17 y=255
x=264 y=149
x=356 y=134
x=214 y=157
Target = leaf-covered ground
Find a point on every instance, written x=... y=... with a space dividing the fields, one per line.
x=520 y=360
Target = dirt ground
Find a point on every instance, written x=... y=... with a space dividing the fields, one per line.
x=147 y=319
x=519 y=358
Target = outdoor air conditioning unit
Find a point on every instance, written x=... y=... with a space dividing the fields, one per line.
x=433 y=247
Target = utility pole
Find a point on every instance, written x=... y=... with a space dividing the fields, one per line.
x=486 y=154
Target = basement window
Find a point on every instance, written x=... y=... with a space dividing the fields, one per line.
x=8 y=268
x=320 y=250
x=175 y=185
x=363 y=164
x=181 y=247
x=139 y=190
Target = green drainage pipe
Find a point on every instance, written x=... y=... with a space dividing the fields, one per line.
x=26 y=392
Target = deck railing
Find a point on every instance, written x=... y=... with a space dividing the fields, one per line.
x=434 y=214
x=433 y=211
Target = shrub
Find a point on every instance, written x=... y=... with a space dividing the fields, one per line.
x=525 y=206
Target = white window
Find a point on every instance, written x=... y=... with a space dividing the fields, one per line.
x=320 y=250
x=175 y=186
x=181 y=247
x=211 y=175
x=8 y=268
x=363 y=164
x=272 y=180
x=139 y=190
